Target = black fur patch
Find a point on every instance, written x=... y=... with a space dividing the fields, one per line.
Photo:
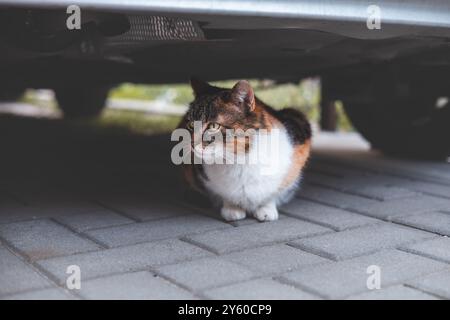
x=296 y=124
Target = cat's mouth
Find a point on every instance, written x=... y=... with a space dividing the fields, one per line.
x=202 y=151
x=217 y=153
x=211 y=153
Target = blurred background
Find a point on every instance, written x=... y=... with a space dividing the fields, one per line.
x=150 y=109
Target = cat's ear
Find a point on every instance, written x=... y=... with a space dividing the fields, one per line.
x=200 y=87
x=242 y=95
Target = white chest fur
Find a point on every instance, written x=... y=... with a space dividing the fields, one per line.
x=258 y=180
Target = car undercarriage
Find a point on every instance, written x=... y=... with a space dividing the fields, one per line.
x=389 y=78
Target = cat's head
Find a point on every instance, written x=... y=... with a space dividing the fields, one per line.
x=218 y=112
x=230 y=108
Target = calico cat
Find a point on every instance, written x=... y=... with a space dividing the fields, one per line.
x=244 y=188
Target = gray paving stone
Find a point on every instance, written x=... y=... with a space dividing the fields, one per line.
x=246 y=222
x=17 y=212
x=41 y=239
x=132 y=286
x=274 y=259
x=377 y=189
x=437 y=283
x=333 y=169
x=155 y=230
x=394 y=293
x=335 y=198
x=438 y=249
x=347 y=182
x=255 y=235
x=124 y=259
x=44 y=294
x=17 y=276
x=420 y=170
x=337 y=280
x=145 y=209
x=360 y=241
x=429 y=188
x=101 y=219
x=205 y=273
x=437 y=222
x=338 y=182
x=380 y=192
x=334 y=218
x=58 y=208
x=402 y=207
x=266 y=289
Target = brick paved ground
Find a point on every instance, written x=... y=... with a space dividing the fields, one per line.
x=112 y=204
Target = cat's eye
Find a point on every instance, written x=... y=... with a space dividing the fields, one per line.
x=190 y=125
x=214 y=127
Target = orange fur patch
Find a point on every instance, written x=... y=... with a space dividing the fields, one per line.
x=188 y=171
x=299 y=159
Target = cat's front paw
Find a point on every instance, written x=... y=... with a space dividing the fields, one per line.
x=268 y=212
x=230 y=213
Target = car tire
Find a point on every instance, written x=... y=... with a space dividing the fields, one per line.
x=81 y=102
x=410 y=127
